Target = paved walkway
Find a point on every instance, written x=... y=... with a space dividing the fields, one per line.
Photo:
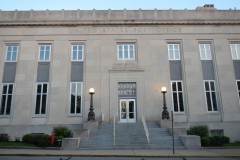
x=121 y=153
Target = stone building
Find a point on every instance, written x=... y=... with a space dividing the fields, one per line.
x=50 y=59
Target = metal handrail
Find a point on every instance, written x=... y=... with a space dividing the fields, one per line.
x=145 y=128
x=114 y=129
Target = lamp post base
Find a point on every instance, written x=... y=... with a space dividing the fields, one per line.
x=91 y=116
x=165 y=114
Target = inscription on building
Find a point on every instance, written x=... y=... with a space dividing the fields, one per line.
x=124 y=30
x=127 y=89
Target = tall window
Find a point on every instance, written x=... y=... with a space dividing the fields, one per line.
x=205 y=51
x=126 y=51
x=12 y=52
x=238 y=88
x=44 y=53
x=235 y=50
x=76 y=98
x=6 y=101
x=210 y=93
x=77 y=52
x=177 y=96
x=41 y=98
x=174 y=52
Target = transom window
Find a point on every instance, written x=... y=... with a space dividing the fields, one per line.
x=6 y=100
x=77 y=52
x=238 y=88
x=41 y=98
x=126 y=51
x=174 y=52
x=205 y=51
x=11 y=53
x=76 y=98
x=210 y=93
x=177 y=96
x=235 y=50
x=44 y=52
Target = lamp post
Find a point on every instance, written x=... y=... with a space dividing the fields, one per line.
x=165 y=113
x=91 y=114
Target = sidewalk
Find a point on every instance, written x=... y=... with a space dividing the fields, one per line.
x=123 y=153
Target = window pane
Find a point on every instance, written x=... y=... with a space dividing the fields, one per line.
x=209 y=101
x=177 y=55
x=44 y=104
x=41 y=55
x=171 y=56
x=233 y=51
x=78 y=88
x=47 y=55
x=9 y=102
x=47 y=48
x=238 y=85
x=206 y=86
x=212 y=86
x=131 y=54
x=10 y=89
x=72 y=109
x=214 y=101
x=179 y=86
x=8 y=56
x=180 y=96
x=175 y=102
x=126 y=52
x=79 y=48
x=174 y=87
x=74 y=55
x=3 y=104
x=78 y=103
x=44 y=88
x=80 y=57
x=74 y=48
x=170 y=46
x=73 y=89
x=14 y=56
x=38 y=101
x=131 y=106
x=39 y=87
x=4 y=91
x=131 y=115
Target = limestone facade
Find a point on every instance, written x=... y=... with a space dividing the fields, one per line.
x=103 y=34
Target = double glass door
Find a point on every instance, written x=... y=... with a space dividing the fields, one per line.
x=127 y=110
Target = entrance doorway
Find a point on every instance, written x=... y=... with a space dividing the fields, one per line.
x=127 y=110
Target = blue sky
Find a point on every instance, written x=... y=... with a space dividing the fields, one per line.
x=7 y=5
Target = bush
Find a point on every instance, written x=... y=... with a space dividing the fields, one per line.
x=4 y=138
x=41 y=140
x=205 y=141
x=201 y=131
x=63 y=132
x=218 y=140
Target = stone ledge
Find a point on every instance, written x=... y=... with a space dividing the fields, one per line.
x=70 y=143
x=191 y=141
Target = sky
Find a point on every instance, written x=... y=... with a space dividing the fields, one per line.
x=9 y=5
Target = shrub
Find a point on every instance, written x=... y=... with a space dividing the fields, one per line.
x=41 y=140
x=205 y=141
x=201 y=131
x=4 y=138
x=218 y=140
x=63 y=132
x=27 y=138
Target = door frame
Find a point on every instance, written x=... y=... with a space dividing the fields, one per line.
x=127 y=120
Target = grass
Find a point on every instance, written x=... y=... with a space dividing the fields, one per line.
x=15 y=144
x=236 y=144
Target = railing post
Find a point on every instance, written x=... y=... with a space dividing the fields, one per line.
x=114 y=121
x=145 y=128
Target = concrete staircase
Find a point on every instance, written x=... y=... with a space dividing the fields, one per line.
x=160 y=138
x=129 y=135
x=102 y=138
